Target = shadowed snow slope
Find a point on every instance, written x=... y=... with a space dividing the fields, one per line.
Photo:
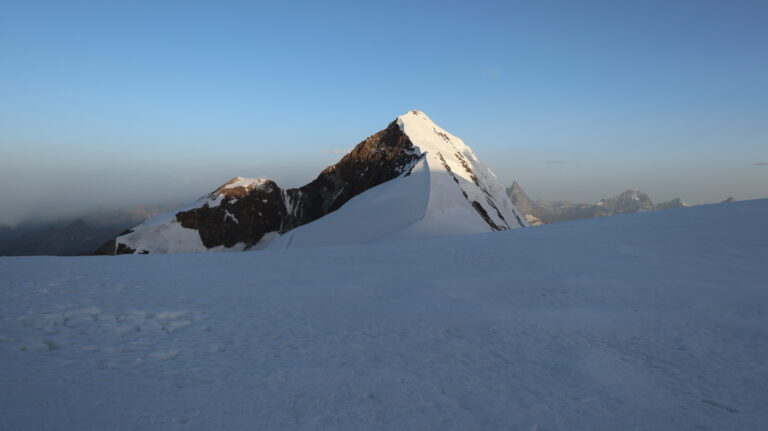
x=651 y=321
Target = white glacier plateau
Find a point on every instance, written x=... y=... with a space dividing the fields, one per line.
x=649 y=321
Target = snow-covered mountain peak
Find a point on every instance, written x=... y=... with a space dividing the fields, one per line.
x=443 y=190
x=248 y=183
x=428 y=136
x=448 y=154
x=634 y=194
x=410 y=180
x=632 y=200
x=239 y=186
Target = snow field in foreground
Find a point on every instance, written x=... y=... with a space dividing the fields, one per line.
x=652 y=321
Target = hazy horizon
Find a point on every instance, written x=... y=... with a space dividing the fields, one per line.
x=141 y=103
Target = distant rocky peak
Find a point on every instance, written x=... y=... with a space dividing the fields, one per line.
x=633 y=194
x=246 y=184
x=515 y=188
x=674 y=203
x=632 y=200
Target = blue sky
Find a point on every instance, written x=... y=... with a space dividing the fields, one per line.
x=104 y=103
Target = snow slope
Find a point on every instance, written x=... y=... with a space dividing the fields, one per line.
x=164 y=234
x=452 y=163
x=650 y=321
x=434 y=199
x=376 y=215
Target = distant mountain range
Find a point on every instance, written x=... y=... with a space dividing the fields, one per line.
x=410 y=180
x=540 y=212
x=82 y=235
x=72 y=236
x=69 y=239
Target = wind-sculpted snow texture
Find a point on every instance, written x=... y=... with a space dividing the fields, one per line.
x=651 y=321
x=462 y=196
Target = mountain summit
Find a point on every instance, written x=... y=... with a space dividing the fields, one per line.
x=631 y=201
x=533 y=214
x=411 y=180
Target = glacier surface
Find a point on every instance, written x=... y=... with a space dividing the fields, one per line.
x=651 y=321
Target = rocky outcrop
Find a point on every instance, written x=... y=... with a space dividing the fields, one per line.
x=110 y=247
x=246 y=210
x=631 y=201
x=242 y=211
x=455 y=194
x=533 y=214
x=445 y=191
x=380 y=158
x=674 y=203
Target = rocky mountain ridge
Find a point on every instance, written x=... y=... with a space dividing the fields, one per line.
x=542 y=212
x=248 y=213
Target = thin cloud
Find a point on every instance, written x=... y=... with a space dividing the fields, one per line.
x=761 y=164
x=335 y=151
x=558 y=162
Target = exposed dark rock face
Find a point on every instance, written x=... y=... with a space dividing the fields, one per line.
x=484 y=214
x=475 y=204
x=124 y=249
x=106 y=249
x=378 y=159
x=111 y=247
x=525 y=205
x=631 y=201
x=245 y=214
